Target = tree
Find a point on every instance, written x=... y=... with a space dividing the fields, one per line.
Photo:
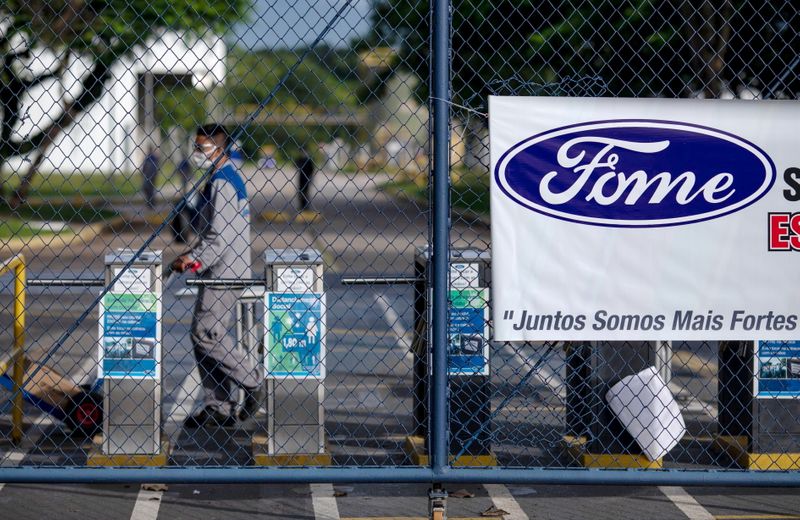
x=490 y=40
x=102 y=31
x=674 y=48
x=324 y=81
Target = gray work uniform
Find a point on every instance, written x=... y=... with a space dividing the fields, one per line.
x=223 y=224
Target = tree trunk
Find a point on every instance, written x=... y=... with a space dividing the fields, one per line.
x=93 y=89
x=707 y=30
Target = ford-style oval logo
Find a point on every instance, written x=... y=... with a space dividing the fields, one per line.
x=635 y=173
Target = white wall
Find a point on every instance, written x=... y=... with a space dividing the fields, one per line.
x=108 y=137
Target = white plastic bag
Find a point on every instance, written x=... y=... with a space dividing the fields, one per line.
x=644 y=405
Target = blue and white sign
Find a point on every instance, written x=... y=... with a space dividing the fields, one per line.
x=644 y=219
x=468 y=332
x=130 y=330
x=777 y=369
x=295 y=325
x=675 y=173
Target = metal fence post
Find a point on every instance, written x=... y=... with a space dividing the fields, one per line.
x=441 y=230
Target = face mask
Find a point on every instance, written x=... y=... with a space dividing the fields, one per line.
x=201 y=160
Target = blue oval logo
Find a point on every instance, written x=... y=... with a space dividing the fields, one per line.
x=635 y=173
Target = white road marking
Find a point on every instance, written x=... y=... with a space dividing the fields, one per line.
x=502 y=499
x=693 y=404
x=686 y=503
x=148 y=502
x=33 y=434
x=324 y=502
x=395 y=324
x=147 y=505
x=545 y=374
x=185 y=398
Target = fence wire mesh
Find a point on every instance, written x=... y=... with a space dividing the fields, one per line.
x=278 y=156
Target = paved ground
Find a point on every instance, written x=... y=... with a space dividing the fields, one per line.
x=368 y=401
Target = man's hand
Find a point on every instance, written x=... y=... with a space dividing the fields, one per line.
x=182 y=263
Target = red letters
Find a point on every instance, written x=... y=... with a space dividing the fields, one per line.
x=784 y=231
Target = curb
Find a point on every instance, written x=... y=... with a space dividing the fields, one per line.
x=283 y=217
x=86 y=234
x=133 y=222
x=464 y=214
x=60 y=240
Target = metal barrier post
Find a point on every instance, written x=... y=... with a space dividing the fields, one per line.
x=578 y=391
x=19 y=348
x=17 y=263
x=468 y=360
x=249 y=333
x=130 y=363
x=440 y=75
x=294 y=359
x=594 y=437
x=757 y=426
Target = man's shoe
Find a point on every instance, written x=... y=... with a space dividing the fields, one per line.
x=252 y=402
x=209 y=417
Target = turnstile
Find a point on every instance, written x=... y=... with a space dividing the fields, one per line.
x=760 y=431
x=594 y=436
x=130 y=355
x=468 y=353
x=295 y=352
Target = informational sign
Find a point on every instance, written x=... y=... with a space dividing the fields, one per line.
x=644 y=219
x=295 y=279
x=133 y=280
x=468 y=334
x=777 y=369
x=463 y=275
x=130 y=335
x=295 y=325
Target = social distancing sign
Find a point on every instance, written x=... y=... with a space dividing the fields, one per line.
x=644 y=219
x=295 y=326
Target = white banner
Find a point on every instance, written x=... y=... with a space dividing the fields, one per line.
x=645 y=219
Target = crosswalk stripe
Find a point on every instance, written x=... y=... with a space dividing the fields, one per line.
x=147 y=504
x=502 y=499
x=324 y=502
x=395 y=323
x=686 y=503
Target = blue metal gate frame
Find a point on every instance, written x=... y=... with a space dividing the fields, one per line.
x=439 y=471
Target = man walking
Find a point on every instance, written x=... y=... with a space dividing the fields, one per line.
x=222 y=251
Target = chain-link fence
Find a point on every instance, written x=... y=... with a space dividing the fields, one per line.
x=250 y=227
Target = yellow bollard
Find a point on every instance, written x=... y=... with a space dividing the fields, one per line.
x=17 y=263
x=19 y=349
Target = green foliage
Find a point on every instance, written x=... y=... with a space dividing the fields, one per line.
x=489 y=39
x=637 y=47
x=99 y=30
x=325 y=80
x=179 y=105
x=607 y=38
x=112 y=27
x=58 y=186
x=653 y=48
